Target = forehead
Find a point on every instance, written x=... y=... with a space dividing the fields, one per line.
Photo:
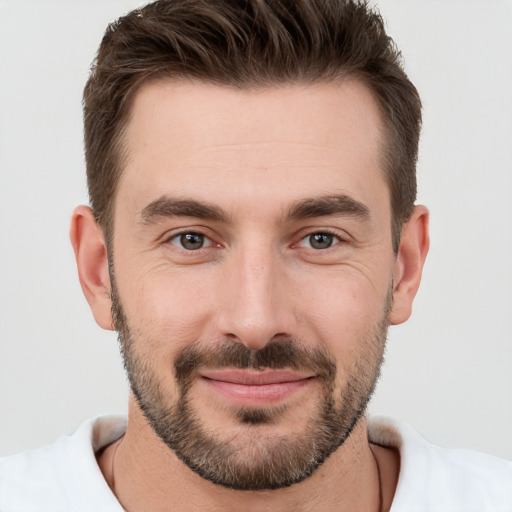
x=220 y=114
x=277 y=141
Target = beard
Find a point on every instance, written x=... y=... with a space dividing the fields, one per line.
x=262 y=459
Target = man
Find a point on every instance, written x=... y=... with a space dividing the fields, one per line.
x=252 y=234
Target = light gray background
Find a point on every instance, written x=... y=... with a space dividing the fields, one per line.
x=448 y=370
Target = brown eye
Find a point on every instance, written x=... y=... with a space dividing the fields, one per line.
x=192 y=241
x=189 y=241
x=321 y=240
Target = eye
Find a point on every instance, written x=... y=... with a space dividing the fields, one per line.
x=319 y=241
x=190 y=241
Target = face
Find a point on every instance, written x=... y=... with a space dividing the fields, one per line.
x=252 y=270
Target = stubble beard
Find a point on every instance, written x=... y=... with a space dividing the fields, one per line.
x=260 y=460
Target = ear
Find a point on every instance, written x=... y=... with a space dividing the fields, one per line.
x=414 y=244
x=90 y=249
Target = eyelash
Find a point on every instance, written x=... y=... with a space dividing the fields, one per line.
x=210 y=243
x=336 y=239
x=178 y=236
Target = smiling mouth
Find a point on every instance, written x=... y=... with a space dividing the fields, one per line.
x=254 y=388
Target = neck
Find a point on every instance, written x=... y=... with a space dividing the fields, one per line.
x=146 y=475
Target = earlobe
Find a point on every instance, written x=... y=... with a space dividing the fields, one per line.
x=414 y=244
x=91 y=257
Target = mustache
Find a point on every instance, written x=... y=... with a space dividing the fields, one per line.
x=277 y=354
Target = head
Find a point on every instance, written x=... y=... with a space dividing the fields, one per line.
x=248 y=45
x=251 y=168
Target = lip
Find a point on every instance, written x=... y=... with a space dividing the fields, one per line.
x=253 y=388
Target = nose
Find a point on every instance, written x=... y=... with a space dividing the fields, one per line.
x=255 y=303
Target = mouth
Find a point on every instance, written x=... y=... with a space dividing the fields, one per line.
x=255 y=388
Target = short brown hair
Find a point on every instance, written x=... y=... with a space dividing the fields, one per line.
x=247 y=44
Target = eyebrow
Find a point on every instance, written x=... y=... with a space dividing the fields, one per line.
x=328 y=205
x=168 y=207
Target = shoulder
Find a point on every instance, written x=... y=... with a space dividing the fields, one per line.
x=442 y=479
x=61 y=476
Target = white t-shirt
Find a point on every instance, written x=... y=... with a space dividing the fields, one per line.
x=65 y=476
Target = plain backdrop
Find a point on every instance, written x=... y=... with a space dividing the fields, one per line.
x=448 y=371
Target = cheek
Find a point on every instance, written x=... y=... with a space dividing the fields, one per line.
x=168 y=305
x=344 y=305
x=347 y=316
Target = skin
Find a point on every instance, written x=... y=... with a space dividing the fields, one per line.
x=254 y=155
